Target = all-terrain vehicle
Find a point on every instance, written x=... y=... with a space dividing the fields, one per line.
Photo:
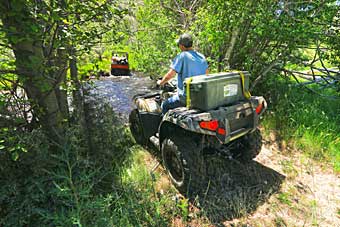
x=220 y=116
x=120 y=64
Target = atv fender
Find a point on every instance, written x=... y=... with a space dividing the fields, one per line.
x=181 y=118
x=165 y=128
x=188 y=120
x=150 y=123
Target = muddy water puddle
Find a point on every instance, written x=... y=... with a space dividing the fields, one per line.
x=118 y=92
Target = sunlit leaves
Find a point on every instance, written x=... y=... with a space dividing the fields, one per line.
x=263 y=31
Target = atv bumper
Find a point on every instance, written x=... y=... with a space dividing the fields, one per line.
x=227 y=123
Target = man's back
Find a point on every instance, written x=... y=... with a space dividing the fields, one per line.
x=187 y=64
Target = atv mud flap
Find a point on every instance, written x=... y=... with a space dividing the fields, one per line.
x=150 y=123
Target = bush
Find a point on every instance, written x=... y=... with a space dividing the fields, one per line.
x=68 y=185
x=309 y=121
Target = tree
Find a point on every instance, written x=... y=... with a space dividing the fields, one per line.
x=260 y=36
x=43 y=34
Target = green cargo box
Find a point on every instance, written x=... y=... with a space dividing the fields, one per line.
x=213 y=90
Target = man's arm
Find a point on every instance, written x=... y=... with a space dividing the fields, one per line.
x=170 y=74
x=206 y=71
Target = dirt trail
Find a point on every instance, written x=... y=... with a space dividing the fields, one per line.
x=309 y=196
x=277 y=189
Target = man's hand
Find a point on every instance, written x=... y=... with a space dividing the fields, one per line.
x=169 y=75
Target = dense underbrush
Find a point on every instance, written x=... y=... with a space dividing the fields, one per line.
x=69 y=185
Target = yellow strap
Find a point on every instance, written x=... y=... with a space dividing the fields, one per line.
x=188 y=101
x=246 y=94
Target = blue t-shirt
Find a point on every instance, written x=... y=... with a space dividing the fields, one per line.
x=187 y=64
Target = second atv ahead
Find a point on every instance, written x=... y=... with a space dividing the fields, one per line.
x=220 y=117
x=120 y=64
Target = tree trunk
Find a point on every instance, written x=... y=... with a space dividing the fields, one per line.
x=39 y=82
x=41 y=89
x=233 y=40
x=78 y=102
x=78 y=99
x=61 y=90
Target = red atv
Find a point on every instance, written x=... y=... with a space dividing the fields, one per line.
x=120 y=64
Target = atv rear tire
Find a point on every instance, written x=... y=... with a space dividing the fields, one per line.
x=249 y=146
x=136 y=127
x=182 y=156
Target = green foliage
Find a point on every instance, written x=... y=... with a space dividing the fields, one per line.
x=285 y=198
x=94 y=62
x=7 y=62
x=183 y=206
x=154 y=42
x=21 y=195
x=44 y=36
x=253 y=35
x=74 y=186
x=12 y=143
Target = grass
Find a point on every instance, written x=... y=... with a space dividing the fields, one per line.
x=160 y=201
x=284 y=198
x=311 y=123
x=307 y=55
x=288 y=168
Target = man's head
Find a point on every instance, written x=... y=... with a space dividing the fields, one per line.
x=185 y=40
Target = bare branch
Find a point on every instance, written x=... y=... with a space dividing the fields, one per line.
x=54 y=36
x=287 y=72
x=327 y=70
x=264 y=73
x=193 y=5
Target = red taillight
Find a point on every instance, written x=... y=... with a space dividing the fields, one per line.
x=221 y=131
x=259 y=108
x=210 y=125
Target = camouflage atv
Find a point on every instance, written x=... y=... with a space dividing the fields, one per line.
x=220 y=116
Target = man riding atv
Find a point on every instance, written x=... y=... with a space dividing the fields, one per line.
x=212 y=114
x=187 y=64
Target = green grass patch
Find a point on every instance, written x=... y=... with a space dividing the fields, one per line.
x=309 y=121
x=307 y=55
x=155 y=208
x=288 y=168
x=284 y=198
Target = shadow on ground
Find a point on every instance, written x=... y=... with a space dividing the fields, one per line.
x=236 y=189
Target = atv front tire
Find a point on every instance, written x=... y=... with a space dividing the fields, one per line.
x=182 y=156
x=249 y=146
x=136 y=127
